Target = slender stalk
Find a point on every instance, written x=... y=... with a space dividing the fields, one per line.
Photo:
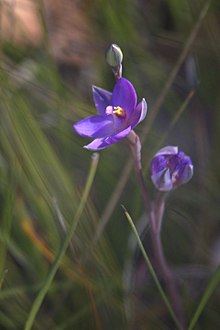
x=135 y=145
x=41 y=295
x=153 y=273
x=155 y=213
x=117 y=72
x=160 y=261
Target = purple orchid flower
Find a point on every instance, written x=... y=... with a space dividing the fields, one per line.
x=170 y=168
x=118 y=114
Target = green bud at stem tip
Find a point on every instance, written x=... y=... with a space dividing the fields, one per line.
x=114 y=56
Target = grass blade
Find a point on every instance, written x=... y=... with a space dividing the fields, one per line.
x=39 y=299
x=151 y=269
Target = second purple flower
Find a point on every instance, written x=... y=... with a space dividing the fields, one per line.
x=118 y=114
x=170 y=168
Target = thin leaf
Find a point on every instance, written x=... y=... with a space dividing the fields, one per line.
x=151 y=269
x=40 y=297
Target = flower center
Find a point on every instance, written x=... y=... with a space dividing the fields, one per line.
x=120 y=112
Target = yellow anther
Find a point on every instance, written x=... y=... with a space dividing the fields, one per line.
x=120 y=112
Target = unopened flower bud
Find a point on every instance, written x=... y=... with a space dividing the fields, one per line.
x=114 y=56
x=170 y=168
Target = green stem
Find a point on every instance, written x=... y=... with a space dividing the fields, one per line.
x=46 y=285
x=151 y=269
x=206 y=295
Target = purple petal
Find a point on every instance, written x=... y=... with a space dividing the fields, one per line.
x=102 y=99
x=158 y=164
x=139 y=114
x=183 y=175
x=162 y=180
x=187 y=174
x=102 y=143
x=124 y=95
x=119 y=136
x=95 y=126
x=143 y=110
x=169 y=150
x=97 y=144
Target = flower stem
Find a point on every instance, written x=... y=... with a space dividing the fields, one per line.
x=155 y=219
x=153 y=273
x=155 y=213
x=117 y=72
x=135 y=145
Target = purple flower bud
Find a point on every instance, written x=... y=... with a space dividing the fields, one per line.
x=170 y=168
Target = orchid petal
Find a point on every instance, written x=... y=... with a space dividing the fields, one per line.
x=102 y=143
x=158 y=164
x=119 y=136
x=162 y=180
x=102 y=99
x=169 y=150
x=97 y=144
x=184 y=174
x=124 y=95
x=143 y=110
x=95 y=126
x=139 y=114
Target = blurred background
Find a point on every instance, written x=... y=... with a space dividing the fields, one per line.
x=51 y=53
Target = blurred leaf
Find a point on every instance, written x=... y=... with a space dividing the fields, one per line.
x=213 y=283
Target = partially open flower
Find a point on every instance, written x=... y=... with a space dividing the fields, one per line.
x=118 y=114
x=170 y=168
